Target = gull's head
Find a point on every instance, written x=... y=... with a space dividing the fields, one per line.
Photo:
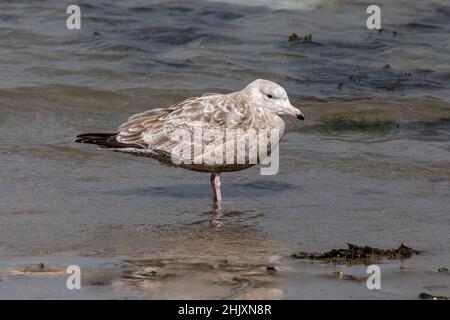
x=271 y=96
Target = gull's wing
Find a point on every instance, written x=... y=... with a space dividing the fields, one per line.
x=172 y=134
x=160 y=128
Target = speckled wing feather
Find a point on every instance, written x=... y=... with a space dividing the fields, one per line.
x=158 y=130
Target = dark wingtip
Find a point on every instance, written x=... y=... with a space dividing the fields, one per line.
x=93 y=138
x=301 y=117
x=106 y=140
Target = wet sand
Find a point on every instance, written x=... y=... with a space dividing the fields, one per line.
x=370 y=166
x=196 y=277
x=121 y=217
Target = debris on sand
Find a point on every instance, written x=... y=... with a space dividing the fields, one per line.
x=296 y=37
x=355 y=253
x=426 y=296
x=443 y=270
x=307 y=38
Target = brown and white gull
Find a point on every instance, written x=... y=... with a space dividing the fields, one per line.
x=200 y=133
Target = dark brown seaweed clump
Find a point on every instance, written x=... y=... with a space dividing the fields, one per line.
x=426 y=296
x=356 y=253
x=296 y=37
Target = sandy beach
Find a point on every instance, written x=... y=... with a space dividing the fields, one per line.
x=370 y=166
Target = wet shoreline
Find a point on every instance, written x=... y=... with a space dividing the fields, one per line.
x=370 y=166
x=204 y=278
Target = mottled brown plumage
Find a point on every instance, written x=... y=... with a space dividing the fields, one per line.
x=156 y=133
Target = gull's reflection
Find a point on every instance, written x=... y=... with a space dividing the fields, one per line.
x=216 y=218
x=222 y=255
x=212 y=254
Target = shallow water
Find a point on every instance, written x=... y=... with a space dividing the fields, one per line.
x=369 y=166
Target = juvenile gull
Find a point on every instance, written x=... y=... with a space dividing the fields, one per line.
x=156 y=133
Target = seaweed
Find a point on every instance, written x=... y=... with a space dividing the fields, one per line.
x=296 y=37
x=426 y=296
x=357 y=253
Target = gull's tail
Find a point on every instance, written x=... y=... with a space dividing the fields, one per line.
x=104 y=140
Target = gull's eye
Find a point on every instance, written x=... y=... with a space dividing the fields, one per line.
x=269 y=96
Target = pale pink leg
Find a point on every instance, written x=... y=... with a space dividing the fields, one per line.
x=215 y=184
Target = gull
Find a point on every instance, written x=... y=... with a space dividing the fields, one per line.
x=156 y=133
